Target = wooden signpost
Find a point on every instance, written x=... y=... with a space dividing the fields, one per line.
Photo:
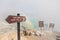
x=51 y=25
x=18 y=19
x=41 y=24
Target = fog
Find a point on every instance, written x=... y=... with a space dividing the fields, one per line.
x=46 y=10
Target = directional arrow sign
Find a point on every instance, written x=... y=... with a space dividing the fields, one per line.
x=13 y=19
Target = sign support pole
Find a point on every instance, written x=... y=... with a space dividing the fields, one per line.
x=18 y=28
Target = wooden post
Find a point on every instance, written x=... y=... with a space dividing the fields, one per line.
x=18 y=28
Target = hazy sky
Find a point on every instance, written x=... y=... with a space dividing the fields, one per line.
x=46 y=10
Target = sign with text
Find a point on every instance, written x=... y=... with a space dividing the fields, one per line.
x=51 y=25
x=13 y=19
x=41 y=23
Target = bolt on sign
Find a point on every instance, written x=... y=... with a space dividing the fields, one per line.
x=41 y=23
x=51 y=25
x=13 y=19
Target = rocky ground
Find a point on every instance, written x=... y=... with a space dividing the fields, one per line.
x=40 y=35
x=45 y=35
